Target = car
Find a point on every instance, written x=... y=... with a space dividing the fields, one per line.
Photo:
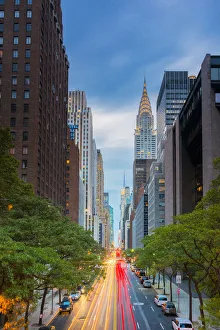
x=169 y=308
x=180 y=323
x=160 y=299
x=143 y=278
x=45 y=327
x=81 y=288
x=140 y=273
x=67 y=298
x=147 y=284
x=66 y=306
x=133 y=267
x=75 y=295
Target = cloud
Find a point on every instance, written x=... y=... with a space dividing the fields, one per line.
x=114 y=129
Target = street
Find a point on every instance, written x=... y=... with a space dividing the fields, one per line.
x=118 y=302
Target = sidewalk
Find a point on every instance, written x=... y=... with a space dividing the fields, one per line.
x=48 y=314
x=183 y=299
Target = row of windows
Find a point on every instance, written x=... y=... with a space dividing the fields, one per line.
x=15 y=67
x=16 y=27
x=24 y=137
x=17 y=2
x=24 y=151
x=17 y=14
x=26 y=94
x=14 y=80
x=16 y=40
x=13 y=122
x=14 y=107
x=27 y=53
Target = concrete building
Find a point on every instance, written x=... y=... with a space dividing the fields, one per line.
x=112 y=233
x=72 y=181
x=141 y=174
x=34 y=91
x=125 y=200
x=173 y=92
x=156 y=197
x=80 y=116
x=194 y=142
x=145 y=135
x=100 y=198
x=140 y=222
x=127 y=235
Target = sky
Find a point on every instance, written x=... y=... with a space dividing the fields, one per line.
x=112 y=45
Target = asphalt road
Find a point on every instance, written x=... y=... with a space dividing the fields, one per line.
x=118 y=302
x=148 y=315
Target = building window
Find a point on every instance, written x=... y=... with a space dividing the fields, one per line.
x=27 y=80
x=28 y=27
x=12 y=151
x=0 y=67
x=17 y=2
x=1 y=27
x=13 y=107
x=215 y=73
x=16 y=27
x=27 y=53
x=2 y=14
x=27 y=67
x=24 y=177
x=25 y=136
x=13 y=135
x=26 y=94
x=15 y=40
x=14 y=80
x=2 y=2
x=29 y=2
x=1 y=40
x=67 y=211
x=14 y=67
x=16 y=14
x=24 y=163
x=15 y=54
x=13 y=122
x=13 y=94
x=24 y=150
x=29 y=13
x=28 y=40
x=26 y=107
x=25 y=122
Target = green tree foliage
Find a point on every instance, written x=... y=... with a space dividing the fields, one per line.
x=40 y=248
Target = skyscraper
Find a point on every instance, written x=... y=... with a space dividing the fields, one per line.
x=125 y=201
x=34 y=90
x=80 y=116
x=172 y=95
x=145 y=136
x=100 y=196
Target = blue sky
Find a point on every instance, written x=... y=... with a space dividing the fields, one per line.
x=112 y=44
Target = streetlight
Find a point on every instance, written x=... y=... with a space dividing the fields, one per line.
x=51 y=313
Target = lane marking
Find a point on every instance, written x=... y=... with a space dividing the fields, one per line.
x=152 y=308
x=161 y=326
x=138 y=303
x=146 y=297
x=138 y=325
x=133 y=308
x=130 y=296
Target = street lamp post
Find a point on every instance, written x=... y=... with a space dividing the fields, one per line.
x=52 y=304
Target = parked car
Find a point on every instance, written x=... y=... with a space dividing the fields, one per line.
x=45 y=327
x=67 y=298
x=133 y=267
x=81 y=288
x=169 y=308
x=147 y=284
x=143 y=278
x=66 y=306
x=160 y=299
x=75 y=295
x=179 y=323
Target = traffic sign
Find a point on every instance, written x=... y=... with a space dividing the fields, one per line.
x=178 y=279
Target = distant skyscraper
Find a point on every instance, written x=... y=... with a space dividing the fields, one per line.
x=125 y=201
x=111 y=213
x=100 y=196
x=145 y=135
x=81 y=116
x=34 y=91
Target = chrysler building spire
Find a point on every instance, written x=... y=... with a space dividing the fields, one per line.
x=145 y=102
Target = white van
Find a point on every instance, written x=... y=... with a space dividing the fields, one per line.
x=160 y=299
